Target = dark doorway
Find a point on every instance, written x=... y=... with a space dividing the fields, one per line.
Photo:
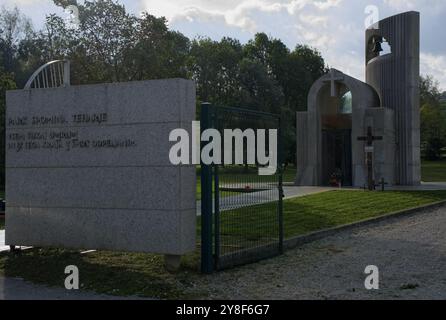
x=336 y=126
x=337 y=156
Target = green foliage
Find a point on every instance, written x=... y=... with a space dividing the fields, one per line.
x=433 y=131
x=433 y=171
x=111 y=45
x=433 y=119
x=6 y=83
x=215 y=68
x=263 y=75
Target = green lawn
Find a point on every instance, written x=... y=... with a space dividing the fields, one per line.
x=250 y=226
x=433 y=171
x=238 y=174
x=331 y=209
x=144 y=275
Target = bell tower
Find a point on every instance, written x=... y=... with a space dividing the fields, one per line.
x=395 y=77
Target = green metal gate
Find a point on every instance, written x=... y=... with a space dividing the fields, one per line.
x=241 y=211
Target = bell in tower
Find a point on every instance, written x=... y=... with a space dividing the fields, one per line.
x=377 y=48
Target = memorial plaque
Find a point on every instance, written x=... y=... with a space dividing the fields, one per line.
x=88 y=167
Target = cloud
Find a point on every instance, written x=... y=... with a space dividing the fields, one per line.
x=324 y=5
x=427 y=5
x=434 y=65
x=314 y=20
x=21 y=3
x=235 y=13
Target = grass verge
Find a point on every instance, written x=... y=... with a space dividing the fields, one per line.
x=113 y=273
x=433 y=171
x=336 y=208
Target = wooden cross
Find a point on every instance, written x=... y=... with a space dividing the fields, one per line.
x=369 y=139
x=333 y=79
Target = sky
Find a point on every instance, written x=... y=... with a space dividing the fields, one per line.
x=334 y=27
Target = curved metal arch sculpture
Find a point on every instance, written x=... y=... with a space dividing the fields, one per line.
x=53 y=74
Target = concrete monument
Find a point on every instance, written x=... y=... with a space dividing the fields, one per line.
x=88 y=167
x=342 y=111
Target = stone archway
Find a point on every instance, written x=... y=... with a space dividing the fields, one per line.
x=324 y=121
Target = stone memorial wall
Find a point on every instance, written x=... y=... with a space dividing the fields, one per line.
x=88 y=167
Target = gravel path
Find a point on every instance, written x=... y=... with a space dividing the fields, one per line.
x=410 y=253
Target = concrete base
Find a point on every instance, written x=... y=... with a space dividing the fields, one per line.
x=172 y=263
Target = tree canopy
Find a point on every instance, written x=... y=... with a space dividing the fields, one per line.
x=433 y=119
x=112 y=45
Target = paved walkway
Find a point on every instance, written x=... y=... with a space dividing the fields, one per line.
x=261 y=197
x=2 y=241
x=425 y=186
x=4 y=248
x=410 y=253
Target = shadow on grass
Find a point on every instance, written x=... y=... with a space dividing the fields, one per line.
x=119 y=274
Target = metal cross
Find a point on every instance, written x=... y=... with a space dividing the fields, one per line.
x=370 y=138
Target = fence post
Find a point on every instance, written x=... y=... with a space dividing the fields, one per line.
x=280 y=162
x=206 y=200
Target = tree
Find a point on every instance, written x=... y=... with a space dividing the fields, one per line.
x=215 y=66
x=260 y=91
x=262 y=74
x=158 y=52
x=15 y=28
x=6 y=83
x=294 y=72
x=304 y=67
x=429 y=90
x=433 y=119
x=112 y=45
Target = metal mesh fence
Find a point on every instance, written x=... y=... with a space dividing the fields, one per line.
x=247 y=206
